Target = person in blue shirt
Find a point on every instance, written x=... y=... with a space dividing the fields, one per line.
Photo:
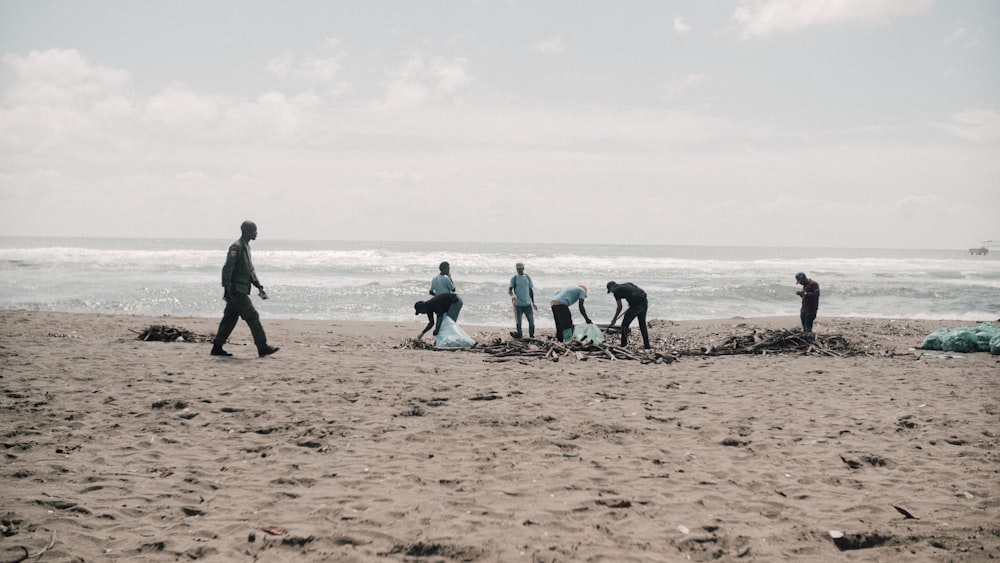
x=523 y=291
x=561 y=302
x=442 y=283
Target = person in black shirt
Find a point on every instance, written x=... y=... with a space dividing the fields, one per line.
x=437 y=305
x=637 y=307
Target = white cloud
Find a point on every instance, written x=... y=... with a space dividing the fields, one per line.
x=978 y=126
x=57 y=96
x=313 y=68
x=954 y=36
x=764 y=17
x=680 y=26
x=449 y=75
x=60 y=77
x=550 y=45
x=281 y=66
x=272 y=116
x=178 y=106
x=417 y=82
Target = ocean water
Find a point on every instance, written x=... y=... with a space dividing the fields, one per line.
x=380 y=281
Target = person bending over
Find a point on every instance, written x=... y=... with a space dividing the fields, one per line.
x=638 y=304
x=561 y=302
x=435 y=306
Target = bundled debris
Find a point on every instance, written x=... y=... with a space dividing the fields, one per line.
x=785 y=342
x=163 y=333
x=514 y=349
x=745 y=339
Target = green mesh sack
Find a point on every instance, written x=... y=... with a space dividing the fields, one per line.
x=985 y=334
x=995 y=345
x=962 y=339
x=935 y=340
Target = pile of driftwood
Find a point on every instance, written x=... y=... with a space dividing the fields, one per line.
x=505 y=350
x=163 y=333
x=782 y=341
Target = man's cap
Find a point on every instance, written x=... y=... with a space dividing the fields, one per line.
x=519 y=265
x=611 y=284
x=248 y=226
x=800 y=276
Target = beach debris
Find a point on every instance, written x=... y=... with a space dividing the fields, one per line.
x=164 y=333
x=513 y=349
x=11 y=550
x=848 y=542
x=852 y=463
x=785 y=341
x=906 y=514
x=964 y=339
x=274 y=530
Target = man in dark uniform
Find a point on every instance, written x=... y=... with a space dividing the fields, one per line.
x=810 y=301
x=437 y=305
x=237 y=277
x=637 y=307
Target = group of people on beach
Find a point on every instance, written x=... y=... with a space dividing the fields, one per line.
x=238 y=276
x=446 y=302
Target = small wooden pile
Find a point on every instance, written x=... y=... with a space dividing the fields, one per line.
x=782 y=342
x=164 y=333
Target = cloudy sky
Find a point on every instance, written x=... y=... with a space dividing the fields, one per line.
x=857 y=123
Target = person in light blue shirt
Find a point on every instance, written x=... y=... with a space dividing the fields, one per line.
x=523 y=291
x=561 y=313
x=441 y=284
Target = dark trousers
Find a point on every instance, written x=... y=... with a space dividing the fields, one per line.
x=239 y=305
x=564 y=320
x=527 y=311
x=633 y=312
x=807 y=318
x=455 y=309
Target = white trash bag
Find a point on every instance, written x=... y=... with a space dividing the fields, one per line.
x=452 y=336
x=588 y=334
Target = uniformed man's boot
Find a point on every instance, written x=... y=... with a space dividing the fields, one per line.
x=218 y=351
x=266 y=350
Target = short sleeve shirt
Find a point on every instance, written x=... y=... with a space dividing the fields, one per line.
x=570 y=295
x=442 y=284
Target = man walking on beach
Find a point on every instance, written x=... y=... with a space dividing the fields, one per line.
x=810 y=301
x=560 y=310
x=237 y=277
x=523 y=291
x=638 y=304
x=442 y=283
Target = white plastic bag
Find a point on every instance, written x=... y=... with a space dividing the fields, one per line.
x=452 y=336
x=588 y=334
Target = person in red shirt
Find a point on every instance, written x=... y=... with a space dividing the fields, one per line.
x=810 y=301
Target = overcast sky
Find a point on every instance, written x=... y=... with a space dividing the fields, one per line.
x=835 y=123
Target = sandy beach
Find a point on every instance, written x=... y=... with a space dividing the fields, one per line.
x=351 y=444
